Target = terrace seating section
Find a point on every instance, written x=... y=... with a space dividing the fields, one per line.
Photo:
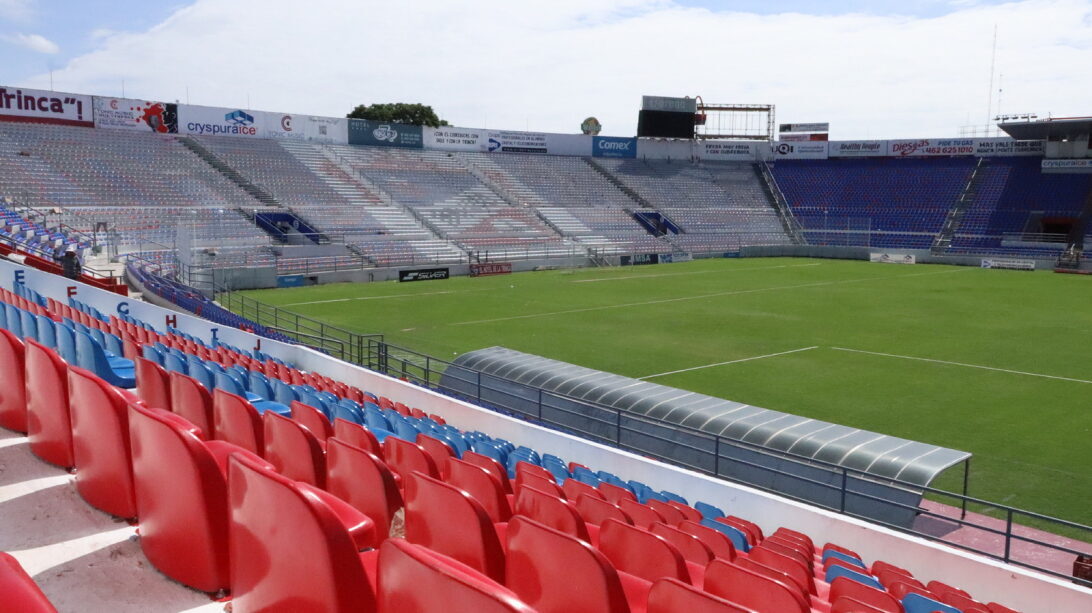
x=1009 y=192
x=20 y=229
x=549 y=180
x=607 y=230
x=454 y=547
x=719 y=206
x=140 y=184
x=451 y=200
x=888 y=203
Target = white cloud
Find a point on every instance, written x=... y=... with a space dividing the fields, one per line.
x=549 y=64
x=17 y=10
x=34 y=42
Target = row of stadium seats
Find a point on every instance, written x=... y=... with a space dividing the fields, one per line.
x=514 y=508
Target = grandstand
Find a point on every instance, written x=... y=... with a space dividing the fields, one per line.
x=243 y=461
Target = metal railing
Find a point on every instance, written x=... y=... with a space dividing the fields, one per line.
x=623 y=430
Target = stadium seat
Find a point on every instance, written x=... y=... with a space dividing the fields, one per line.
x=845 y=587
x=641 y=553
x=312 y=419
x=595 y=511
x=493 y=466
x=293 y=450
x=916 y=603
x=447 y=520
x=672 y=596
x=554 y=512
x=615 y=494
x=834 y=572
x=275 y=524
x=20 y=593
x=845 y=604
x=66 y=343
x=49 y=424
x=357 y=435
x=404 y=457
x=438 y=450
x=574 y=489
x=91 y=356
x=717 y=541
x=752 y=590
x=13 y=399
x=643 y=516
x=693 y=550
x=153 y=384
x=739 y=540
x=555 y=572
x=414 y=579
x=361 y=479
x=192 y=400
x=236 y=421
x=796 y=570
x=482 y=485
x=100 y=443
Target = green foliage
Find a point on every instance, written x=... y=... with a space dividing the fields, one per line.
x=399 y=112
x=1029 y=434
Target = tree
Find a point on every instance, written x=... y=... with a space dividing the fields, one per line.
x=399 y=112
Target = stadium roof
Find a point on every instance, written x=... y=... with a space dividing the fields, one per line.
x=877 y=454
x=1048 y=129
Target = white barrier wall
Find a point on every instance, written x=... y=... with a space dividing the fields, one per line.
x=1009 y=585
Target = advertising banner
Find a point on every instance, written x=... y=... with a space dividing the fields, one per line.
x=614 y=147
x=1008 y=264
x=516 y=142
x=488 y=270
x=799 y=151
x=424 y=274
x=311 y=128
x=892 y=258
x=451 y=138
x=925 y=147
x=384 y=134
x=986 y=147
x=38 y=106
x=639 y=259
x=801 y=137
x=216 y=121
x=669 y=104
x=803 y=127
x=139 y=115
x=857 y=148
x=1067 y=166
x=726 y=151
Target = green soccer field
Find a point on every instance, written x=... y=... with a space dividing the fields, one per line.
x=989 y=361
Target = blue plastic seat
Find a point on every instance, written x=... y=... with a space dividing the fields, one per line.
x=47 y=335
x=260 y=385
x=738 y=538
x=4 y=318
x=113 y=344
x=91 y=356
x=152 y=352
x=29 y=322
x=349 y=412
x=707 y=510
x=404 y=429
x=830 y=553
x=173 y=363
x=282 y=392
x=836 y=571
x=916 y=603
x=66 y=343
x=14 y=320
x=201 y=373
x=376 y=421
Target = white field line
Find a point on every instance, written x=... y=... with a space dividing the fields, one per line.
x=700 y=297
x=695 y=272
x=757 y=357
x=979 y=366
x=366 y=298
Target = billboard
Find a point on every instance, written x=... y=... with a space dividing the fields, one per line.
x=384 y=134
x=797 y=137
x=727 y=151
x=614 y=147
x=38 y=106
x=1078 y=166
x=516 y=142
x=799 y=151
x=216 y=121
x=423 y=274
x=892 y=258
x=856 y=148
x=139 y=115
x=312 y=128
x=451 y=138
x=669 y=104
x=930 y=147
x=803 y=127
x=986 y=147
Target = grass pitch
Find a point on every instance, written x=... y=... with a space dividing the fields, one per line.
x=989 y=361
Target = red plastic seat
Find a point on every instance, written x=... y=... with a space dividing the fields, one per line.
x=643 y=516
x=717 y=541
x=20 y=593
x=640 y=553
x=671 y=514
x=963 y=603
x=153 y=384
x=447 y=520
x=693 y=550
x=191 y=400
x=181 y=496
x=534 y=469
x=293 y=450
x=361 y=479
x=674 y=596
x=776 y=574
x=312 y=419
x=357 y=436
x=999 y=608
x=752 y=590
x=482 y=485
x=13 y=398
x=557 y=573
x=574 y=489
x=792 y=567
x=845 y=604
x=438 y=450
x=236 y=421
x=749 y=529
x=49 y=424
x=404 y=457
x=413 y=579
x=554 y=512
x=491 y=465
x=615 y=494
x=879 y=599
x=536 y=480
x=100 y=443
x=688 y=511
x=595 y=511
x=940 y=588
x=289 y=551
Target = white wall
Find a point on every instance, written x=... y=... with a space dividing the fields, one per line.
x=1009 y=585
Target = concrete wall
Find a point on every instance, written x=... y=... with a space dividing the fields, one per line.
x=1024 y=590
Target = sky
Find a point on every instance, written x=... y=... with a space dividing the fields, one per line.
x=872 y=68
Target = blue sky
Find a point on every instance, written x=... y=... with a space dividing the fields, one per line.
x=874 y=68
